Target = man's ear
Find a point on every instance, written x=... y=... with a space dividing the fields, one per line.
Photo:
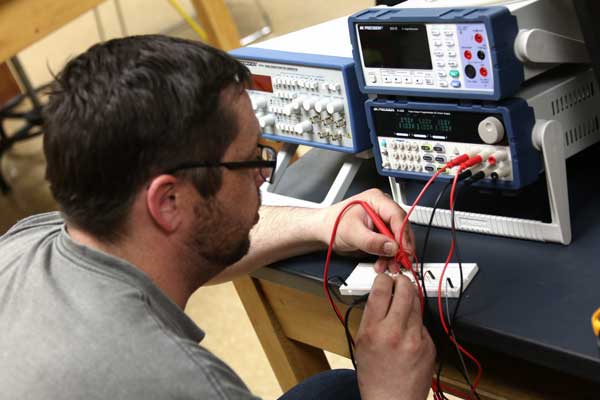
x=164 y=202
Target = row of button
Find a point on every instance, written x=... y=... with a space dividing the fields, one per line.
x=306 y=84
x=440 y=53
x=420 y=81
x=305 y=127
x=449 y=43
x=285 y=95
x=438 y=33
x=407 y=79
x=409 y=146
x=402 y=166
x=453 y=73
x=402 y=156
x=412 y=146
x=450 y=63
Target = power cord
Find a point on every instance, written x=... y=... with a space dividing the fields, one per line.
x=362 y=299
x=436 y=205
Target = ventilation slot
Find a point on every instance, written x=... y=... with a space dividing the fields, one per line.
x=582 y=131
x=572 y=98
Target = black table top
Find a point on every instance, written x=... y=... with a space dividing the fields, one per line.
x=530 y=300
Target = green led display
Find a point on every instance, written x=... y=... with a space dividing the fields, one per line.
x=424 y=124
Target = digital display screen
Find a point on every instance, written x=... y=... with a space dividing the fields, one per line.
x=261 y=83
x=438 y=125
x=402 y=46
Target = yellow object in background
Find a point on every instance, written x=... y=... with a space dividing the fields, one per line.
x=596 y=322
x=189 y=20
x=596 y=326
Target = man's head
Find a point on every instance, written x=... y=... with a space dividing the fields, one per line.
x=126 y=111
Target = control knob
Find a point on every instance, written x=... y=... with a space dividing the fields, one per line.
x=303 y=127
x=321 y=105
x=308 y=103
x=491 y=130
x=336 y=106
x=259 y=102
x=266 y=120
x=297 y=103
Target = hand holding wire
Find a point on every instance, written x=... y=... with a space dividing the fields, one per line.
x=463 y=162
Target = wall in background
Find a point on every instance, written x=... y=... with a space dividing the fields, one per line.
x=157 y=16
x=141 y=16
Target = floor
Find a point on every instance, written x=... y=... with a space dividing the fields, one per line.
x=216 y=309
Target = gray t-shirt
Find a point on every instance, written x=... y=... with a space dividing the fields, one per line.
x=76 y=323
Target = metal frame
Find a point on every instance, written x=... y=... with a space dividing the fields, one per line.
x=33 y=118
x=336 y=193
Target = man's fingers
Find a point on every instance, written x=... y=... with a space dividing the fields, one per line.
x=380 y=265
x=402 y=303
x=379 y=300
x=393 y=215
x=371 y=242
x=386 y=264
x=414 y=325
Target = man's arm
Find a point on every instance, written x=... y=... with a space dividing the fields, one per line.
x=285 y=232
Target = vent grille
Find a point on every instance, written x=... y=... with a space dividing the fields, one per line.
x=582 y=131
x=572 y=98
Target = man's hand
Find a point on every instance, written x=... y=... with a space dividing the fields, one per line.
x=357 y=233
x=394 y=352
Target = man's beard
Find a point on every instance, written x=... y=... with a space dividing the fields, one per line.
x=217 y=238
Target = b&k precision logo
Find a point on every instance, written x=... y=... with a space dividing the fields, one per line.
x=370 y=27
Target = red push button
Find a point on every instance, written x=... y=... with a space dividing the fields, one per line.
x=478 y=38
x=468 y=55
x=483 y=71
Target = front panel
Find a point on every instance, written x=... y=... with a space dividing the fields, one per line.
x=413 y=140
x=459 y=53
x=299 y=102
x=445 y=57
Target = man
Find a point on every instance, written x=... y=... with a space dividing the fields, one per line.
x=151 y=145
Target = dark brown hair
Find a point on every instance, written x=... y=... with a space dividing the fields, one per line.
x=128 y=109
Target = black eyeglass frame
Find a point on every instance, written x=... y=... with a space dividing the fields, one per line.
x=234 y=165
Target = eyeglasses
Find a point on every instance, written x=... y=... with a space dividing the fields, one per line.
x=265 y=163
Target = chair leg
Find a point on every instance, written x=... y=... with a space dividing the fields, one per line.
x=4 y=187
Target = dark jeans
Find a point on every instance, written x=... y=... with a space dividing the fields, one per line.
x=337 y=384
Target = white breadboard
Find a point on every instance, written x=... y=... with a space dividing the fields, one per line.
x=361 y=279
